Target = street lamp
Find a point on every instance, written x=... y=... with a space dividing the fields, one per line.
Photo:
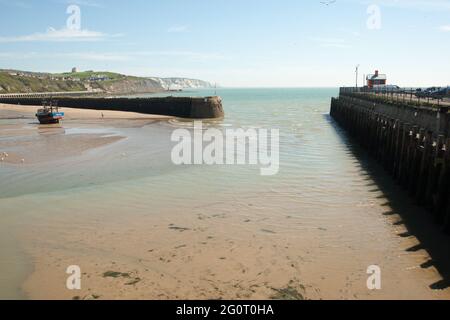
x=357 y=69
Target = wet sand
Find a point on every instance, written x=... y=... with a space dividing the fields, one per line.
x=26 y=143
x=132 y=242
x=11 y=111
x=219 y=256
x=31 y=151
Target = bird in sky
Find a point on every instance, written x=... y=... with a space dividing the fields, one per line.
x=327 y=3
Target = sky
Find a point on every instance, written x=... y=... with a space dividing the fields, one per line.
x=234 y=43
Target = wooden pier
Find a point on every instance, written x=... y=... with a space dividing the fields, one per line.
x=411 y=141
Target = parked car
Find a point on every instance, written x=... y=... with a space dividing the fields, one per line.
x=392 y=87
x=387 y=88
x=440 y=93
x=426 y=93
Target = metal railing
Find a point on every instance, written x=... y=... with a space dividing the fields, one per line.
x=413 y=96
x=50 y=94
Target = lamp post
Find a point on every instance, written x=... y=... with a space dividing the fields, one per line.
x=357 y=69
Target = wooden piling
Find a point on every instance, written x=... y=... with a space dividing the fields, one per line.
x=416 y=153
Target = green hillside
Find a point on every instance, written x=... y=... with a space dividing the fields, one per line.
x=14 y=81
x=85 y=75
x=16 y=84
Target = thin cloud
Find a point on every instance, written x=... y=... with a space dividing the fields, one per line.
x=413 y=4
x=61 y=35
x=331 y=42
x=17 y=4
x=84 y=3
x=445 y=28
x=178 y=29
x=111 y=56
x=92 y=56
x=88 y=56
x=185 y=54
x=353 y=33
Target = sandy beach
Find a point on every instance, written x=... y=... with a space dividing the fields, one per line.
x=12 y=111
x=31 y=149
x=25 y=144
x=214 y=256
x=90 y=193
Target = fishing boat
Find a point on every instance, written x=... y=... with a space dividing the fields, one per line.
x=49 y=114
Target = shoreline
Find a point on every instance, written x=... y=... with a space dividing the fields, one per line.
x=79 y=114
x=25 y=144
x=30 y=148
x=203 y=260
x=16 y=264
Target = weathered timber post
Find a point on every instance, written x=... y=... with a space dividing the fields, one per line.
x=441 y=197
x=435 y=169
x=410 y=141
x=415 y=160
x=396 y=146
x=425 y=164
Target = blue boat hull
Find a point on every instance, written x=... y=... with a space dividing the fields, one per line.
x=50 y=118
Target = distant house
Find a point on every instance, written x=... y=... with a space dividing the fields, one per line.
x=74 y=70
x=375 y=80
x=98 y=77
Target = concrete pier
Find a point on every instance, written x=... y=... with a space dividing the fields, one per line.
x=183 y=107
x=411 y=141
